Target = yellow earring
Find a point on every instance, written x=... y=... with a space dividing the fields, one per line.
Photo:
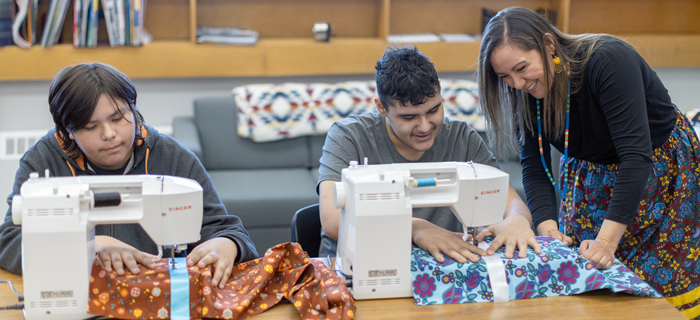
x=557 y=65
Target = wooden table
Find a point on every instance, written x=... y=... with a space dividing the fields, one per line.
x=600 y=304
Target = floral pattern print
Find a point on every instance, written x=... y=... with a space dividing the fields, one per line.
x=564 y=272
x=661 y=243
x=285 y=272
x=424 y=286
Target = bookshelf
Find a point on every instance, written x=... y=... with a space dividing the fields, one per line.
x=666 y=33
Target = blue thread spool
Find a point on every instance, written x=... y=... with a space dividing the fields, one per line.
x=427 y=182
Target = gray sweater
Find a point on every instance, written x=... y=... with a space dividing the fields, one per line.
x=165 y=156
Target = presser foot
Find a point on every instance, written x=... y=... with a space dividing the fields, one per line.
x=473 y=231
x=172 y=263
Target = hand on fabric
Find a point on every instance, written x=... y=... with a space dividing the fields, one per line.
x=549 y=228
x=513 y=231
x=115 y=255
x=599 y=252
x=436 y=240
x=221 y=253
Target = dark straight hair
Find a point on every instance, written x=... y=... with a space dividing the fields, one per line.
x=507 y=110
x=406 y=75
x=74 y=93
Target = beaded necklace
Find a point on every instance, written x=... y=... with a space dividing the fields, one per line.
x=566 y=140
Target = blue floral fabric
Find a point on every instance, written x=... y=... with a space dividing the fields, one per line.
x=558 y=271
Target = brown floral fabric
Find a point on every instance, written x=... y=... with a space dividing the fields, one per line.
x=285 y=272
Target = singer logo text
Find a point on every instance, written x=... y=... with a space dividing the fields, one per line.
x=181 y=208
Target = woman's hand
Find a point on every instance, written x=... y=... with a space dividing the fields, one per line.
x=599 y=252
x=549 y=228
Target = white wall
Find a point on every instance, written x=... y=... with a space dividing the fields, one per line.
x=24 y=106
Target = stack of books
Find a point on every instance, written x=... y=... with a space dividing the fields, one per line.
x=227 y=36
x=123 y=20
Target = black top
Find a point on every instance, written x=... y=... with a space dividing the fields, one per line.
x=621 y=113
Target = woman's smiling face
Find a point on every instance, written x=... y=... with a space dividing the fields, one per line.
x=522 y=70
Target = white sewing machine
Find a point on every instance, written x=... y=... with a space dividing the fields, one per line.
x=376 y=202
x=58 y=216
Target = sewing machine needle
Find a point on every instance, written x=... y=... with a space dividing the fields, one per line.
x=172 y=258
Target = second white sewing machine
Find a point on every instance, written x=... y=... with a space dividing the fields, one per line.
x=58 y=216
x=376 y=202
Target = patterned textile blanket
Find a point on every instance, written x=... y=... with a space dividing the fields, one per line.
x=284 y=272
x=558 y=271
x=694 y=117
x=269 y=112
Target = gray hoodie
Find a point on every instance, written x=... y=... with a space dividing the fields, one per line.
x=156 y=154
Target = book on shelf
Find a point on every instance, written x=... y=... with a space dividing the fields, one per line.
x=77 y=8
x=83 y=23
x=127 y=22
x=93 y=15
x=110 y=20
x=413 y=38
x=31 y=22
x=6 y=7
x=227 y=36
x=457 y=37
x=124 y=22
x=119 y=6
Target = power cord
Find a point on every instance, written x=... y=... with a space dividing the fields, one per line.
x=348 y=278
x=13 y=307
x=19 y=296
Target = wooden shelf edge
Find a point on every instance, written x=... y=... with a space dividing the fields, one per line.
x=667 y=50
x=288 y=57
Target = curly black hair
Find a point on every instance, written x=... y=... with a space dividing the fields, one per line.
x=406 y=75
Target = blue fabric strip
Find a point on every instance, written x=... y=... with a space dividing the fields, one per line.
x=180 y=291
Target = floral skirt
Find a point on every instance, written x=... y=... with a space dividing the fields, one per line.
x=661 y=244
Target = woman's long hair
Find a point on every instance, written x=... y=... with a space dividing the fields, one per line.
x=507 y=110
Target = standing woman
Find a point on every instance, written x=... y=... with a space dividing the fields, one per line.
x=596 y=100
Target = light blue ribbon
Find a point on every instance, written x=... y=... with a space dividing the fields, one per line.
x=180 y=291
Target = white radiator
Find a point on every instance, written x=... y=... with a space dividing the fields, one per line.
x=13 y=144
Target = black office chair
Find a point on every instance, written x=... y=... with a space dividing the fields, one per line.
x=306 y=229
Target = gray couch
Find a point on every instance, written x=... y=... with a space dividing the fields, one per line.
x=262 y=183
